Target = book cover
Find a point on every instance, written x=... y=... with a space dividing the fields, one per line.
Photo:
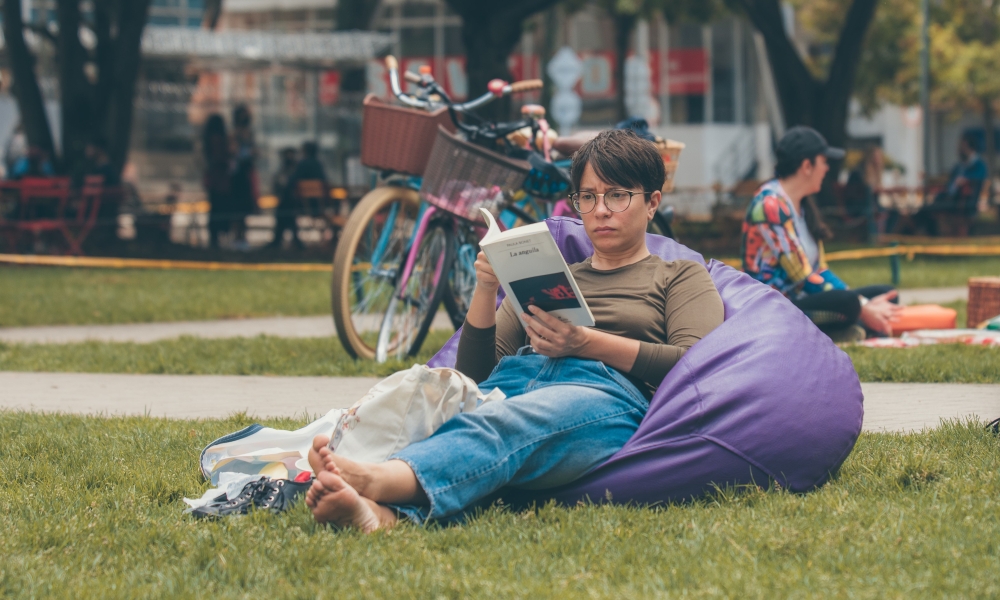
x=533 y=272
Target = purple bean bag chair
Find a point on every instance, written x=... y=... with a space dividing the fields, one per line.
x=765 y=398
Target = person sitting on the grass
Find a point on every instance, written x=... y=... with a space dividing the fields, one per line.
x=782 y=245
x=575 y=395
x=961 y=196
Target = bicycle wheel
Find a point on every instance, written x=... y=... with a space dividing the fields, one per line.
x=660 y=224
x=414 y=302
x=462 y=278
x=366 y=264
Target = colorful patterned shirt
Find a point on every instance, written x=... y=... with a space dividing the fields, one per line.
x=772 y=250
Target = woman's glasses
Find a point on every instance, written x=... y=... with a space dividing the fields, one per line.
x=615 y=200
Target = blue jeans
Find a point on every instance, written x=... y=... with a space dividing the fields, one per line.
x=562 y=417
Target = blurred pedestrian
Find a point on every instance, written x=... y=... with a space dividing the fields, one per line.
x=244 y=185
x=16 y=149
x=99 y=163
x=217 y=178
x=35 y=163
x=310 y=169
x=861 y=192
x=285 y=215
x=960 y=198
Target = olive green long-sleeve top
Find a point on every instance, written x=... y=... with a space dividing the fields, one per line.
x=666 y=306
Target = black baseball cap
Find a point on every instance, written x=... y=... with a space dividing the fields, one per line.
x=800 y=143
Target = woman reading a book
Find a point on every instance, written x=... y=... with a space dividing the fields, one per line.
x=575 y=395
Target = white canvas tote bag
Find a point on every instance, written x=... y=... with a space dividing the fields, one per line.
x=403 y=408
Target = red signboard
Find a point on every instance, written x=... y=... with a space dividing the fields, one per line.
x=687 y=71
x=329 y=87
x=521 y=69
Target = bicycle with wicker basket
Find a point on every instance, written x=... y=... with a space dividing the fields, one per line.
x=504 y=167
x=380 y=231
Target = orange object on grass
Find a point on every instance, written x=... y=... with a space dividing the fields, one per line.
x=925 y=316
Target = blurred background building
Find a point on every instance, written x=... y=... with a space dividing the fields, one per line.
x=707 y=85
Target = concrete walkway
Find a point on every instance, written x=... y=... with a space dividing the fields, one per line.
x=143 y=333
x=888 y=406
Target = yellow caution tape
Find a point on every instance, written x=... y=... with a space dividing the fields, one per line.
x=907 y=251
x=911 y=251
x=144 y=263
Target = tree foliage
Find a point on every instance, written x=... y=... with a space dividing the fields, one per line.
x=964 y=58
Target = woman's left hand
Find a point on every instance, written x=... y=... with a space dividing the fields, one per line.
x=552 y=337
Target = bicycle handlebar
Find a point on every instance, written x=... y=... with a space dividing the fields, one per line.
x=498 y=88
x=526 y=85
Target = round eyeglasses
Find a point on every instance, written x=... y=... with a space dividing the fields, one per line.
x=615 y=200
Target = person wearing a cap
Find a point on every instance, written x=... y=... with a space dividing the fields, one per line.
x=782 y=242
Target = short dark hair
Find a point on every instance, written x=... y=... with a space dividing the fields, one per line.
x=620 y=157
x=310 y=149
x=790 y=166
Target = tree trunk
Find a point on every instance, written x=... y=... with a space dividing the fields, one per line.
x=490 y=30
x=128 y=56
x=74 y=90
x=354 y=14
x=797 y=90
x=30 y=102
x=833 y=103
x=488 y=42
x=804 y=100
x=990 y=151
x=624 y=24
x=210 y=18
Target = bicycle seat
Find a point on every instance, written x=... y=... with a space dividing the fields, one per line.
x=569 y=144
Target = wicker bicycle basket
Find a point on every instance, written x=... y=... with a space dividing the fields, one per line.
x=984 y=300
x=670 y=150
x=461 y=177
x=399 y=139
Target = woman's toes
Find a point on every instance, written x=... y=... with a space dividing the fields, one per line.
x=343 y=506
x=329 y=464
x=315 y=457
x=320 y=441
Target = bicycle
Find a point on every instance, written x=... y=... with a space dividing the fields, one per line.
x=378 y=234
x=439 y=246
x=462 y=176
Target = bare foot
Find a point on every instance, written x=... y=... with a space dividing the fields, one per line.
x=332 y=500
x=358 y=475
x=316 y=461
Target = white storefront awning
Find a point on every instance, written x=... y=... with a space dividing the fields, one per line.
x=303 y=49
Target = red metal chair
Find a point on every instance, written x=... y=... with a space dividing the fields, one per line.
x=84 y=207
x=41 y=209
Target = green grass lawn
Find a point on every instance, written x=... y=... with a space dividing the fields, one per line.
x=921 y=272
x=50 y=296
x=91 y=507
x=325 y=356
x=262 y=355
x=56 y=296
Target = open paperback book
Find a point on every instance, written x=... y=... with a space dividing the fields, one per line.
x=532 y=271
